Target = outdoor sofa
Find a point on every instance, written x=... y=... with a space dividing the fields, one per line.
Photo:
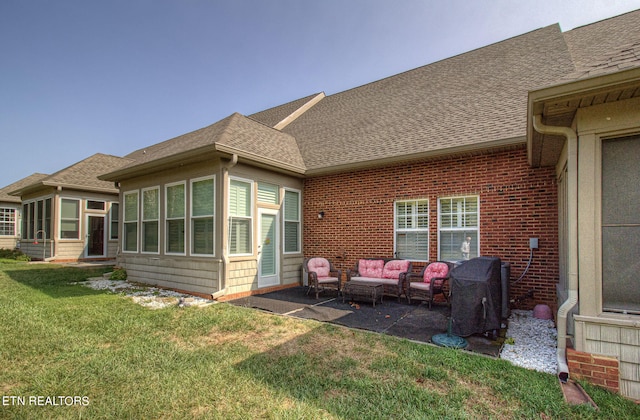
x=390 y=272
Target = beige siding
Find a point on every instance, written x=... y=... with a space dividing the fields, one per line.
x=8 y=242
x=617 y=338
x=189 y=274
x=292 y=269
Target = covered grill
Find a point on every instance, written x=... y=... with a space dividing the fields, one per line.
x=476 y=296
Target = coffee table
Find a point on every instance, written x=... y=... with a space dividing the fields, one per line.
x=363 y=290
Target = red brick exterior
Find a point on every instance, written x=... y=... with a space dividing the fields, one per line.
x=517 y=202
x=598 y=370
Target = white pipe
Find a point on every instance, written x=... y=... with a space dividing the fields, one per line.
x=572 y=209
x=222 y=274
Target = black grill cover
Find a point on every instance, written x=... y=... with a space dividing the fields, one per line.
x=476 y=296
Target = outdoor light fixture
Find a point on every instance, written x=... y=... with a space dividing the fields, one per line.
x=321 y=215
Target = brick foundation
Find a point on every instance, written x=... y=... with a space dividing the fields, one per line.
x=598 y=370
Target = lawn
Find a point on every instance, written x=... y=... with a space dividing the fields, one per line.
x=67 y=351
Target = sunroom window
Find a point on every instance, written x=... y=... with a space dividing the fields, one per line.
x=175 y=218
x=150 y=216
x=7 y=221
x=130 y=231
x=69 y=219
x=202 y=216
x=620 y=225
x=240 y=205
x=412 y=230
x=459 y=228
x=291 y=221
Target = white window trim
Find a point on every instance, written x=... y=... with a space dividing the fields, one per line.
x=60 y=219
x=251 y=216
x=284 y=221
x=15 y=222
x=462 y=229
x=396 y=230
x=192 y=217
x=166 y=219
x=142 y=220
x=124 y=222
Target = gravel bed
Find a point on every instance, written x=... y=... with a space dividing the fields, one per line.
x=533 y=342
x=150 y=297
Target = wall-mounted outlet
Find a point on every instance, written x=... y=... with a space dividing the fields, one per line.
x=533 y=243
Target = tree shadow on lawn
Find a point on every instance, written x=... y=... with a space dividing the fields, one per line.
x=56 y=281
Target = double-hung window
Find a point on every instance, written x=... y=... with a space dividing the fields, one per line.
x=150 y=219
x=202 y=216
x=69 y=218
x=175 y=218
x=130 y=230
x=459 y=228
x=7 y=221
x=240 y=215
x=292 y=221
x=115 y=219
x=412 y=230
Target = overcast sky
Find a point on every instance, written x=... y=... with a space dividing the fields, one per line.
x=78 y=77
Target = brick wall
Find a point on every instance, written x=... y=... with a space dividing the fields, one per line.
x=598 y=370
x=516 y=203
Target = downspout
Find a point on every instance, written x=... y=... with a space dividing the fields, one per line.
x=572 y=209
x=222 y=276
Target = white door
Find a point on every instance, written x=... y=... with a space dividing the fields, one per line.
x=268 y=254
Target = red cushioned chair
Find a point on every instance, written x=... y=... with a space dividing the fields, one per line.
x=429 y=282
x=321 y=275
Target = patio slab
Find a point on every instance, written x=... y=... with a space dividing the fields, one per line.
x=413 y=322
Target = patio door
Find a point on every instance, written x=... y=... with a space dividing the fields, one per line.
x=268 y=257
x=94 y=244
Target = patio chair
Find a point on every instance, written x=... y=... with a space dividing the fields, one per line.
x=321 y=275
x=429 y=282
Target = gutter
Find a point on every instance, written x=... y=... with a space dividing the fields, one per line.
x=222 y=274
x=572 y=208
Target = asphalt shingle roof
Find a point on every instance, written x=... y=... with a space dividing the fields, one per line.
x=31 y=179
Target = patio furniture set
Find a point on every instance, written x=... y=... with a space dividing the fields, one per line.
x=373 y=278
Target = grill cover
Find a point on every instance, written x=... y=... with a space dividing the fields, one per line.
x=476 y=296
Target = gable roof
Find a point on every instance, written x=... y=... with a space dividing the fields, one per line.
x=31 y=179
x=236 y=134
x=474 y=100
x=81 y=176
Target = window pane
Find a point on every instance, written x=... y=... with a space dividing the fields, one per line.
x=95 y=205
x=291 y=236
x=69 y=229
x=150 y=236
x=115 y=208
x=131 y=236
x=268 y=193
x=202 y=194
x=451 y=248
x=131 y=207
x=175 y=236
x=412 y=245
x=175 y=201
x=620 y=265
x=239 y=198
x=150 y=204
x=69 y=209
x=291 y=205
x=240 y=236
x=203 y=236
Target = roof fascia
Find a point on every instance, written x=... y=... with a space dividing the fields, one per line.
x=474 y=149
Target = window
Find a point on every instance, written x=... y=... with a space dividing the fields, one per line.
x=412 y=230
x=268 y=193
x=240 y=215
x=459 y=228
x=291 y=221
x=150 y=216
x=202 y=212
x=115 y=218
x=175 y=218
x=28 y=220
x=7 y=222
x=620 y=225
x=130 y=229
x=69 y=218
x=36 y=219
x=95 y=205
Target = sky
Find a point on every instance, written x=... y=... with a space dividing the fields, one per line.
x=79 y=77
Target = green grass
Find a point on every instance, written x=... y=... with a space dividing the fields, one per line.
x=222 y=361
